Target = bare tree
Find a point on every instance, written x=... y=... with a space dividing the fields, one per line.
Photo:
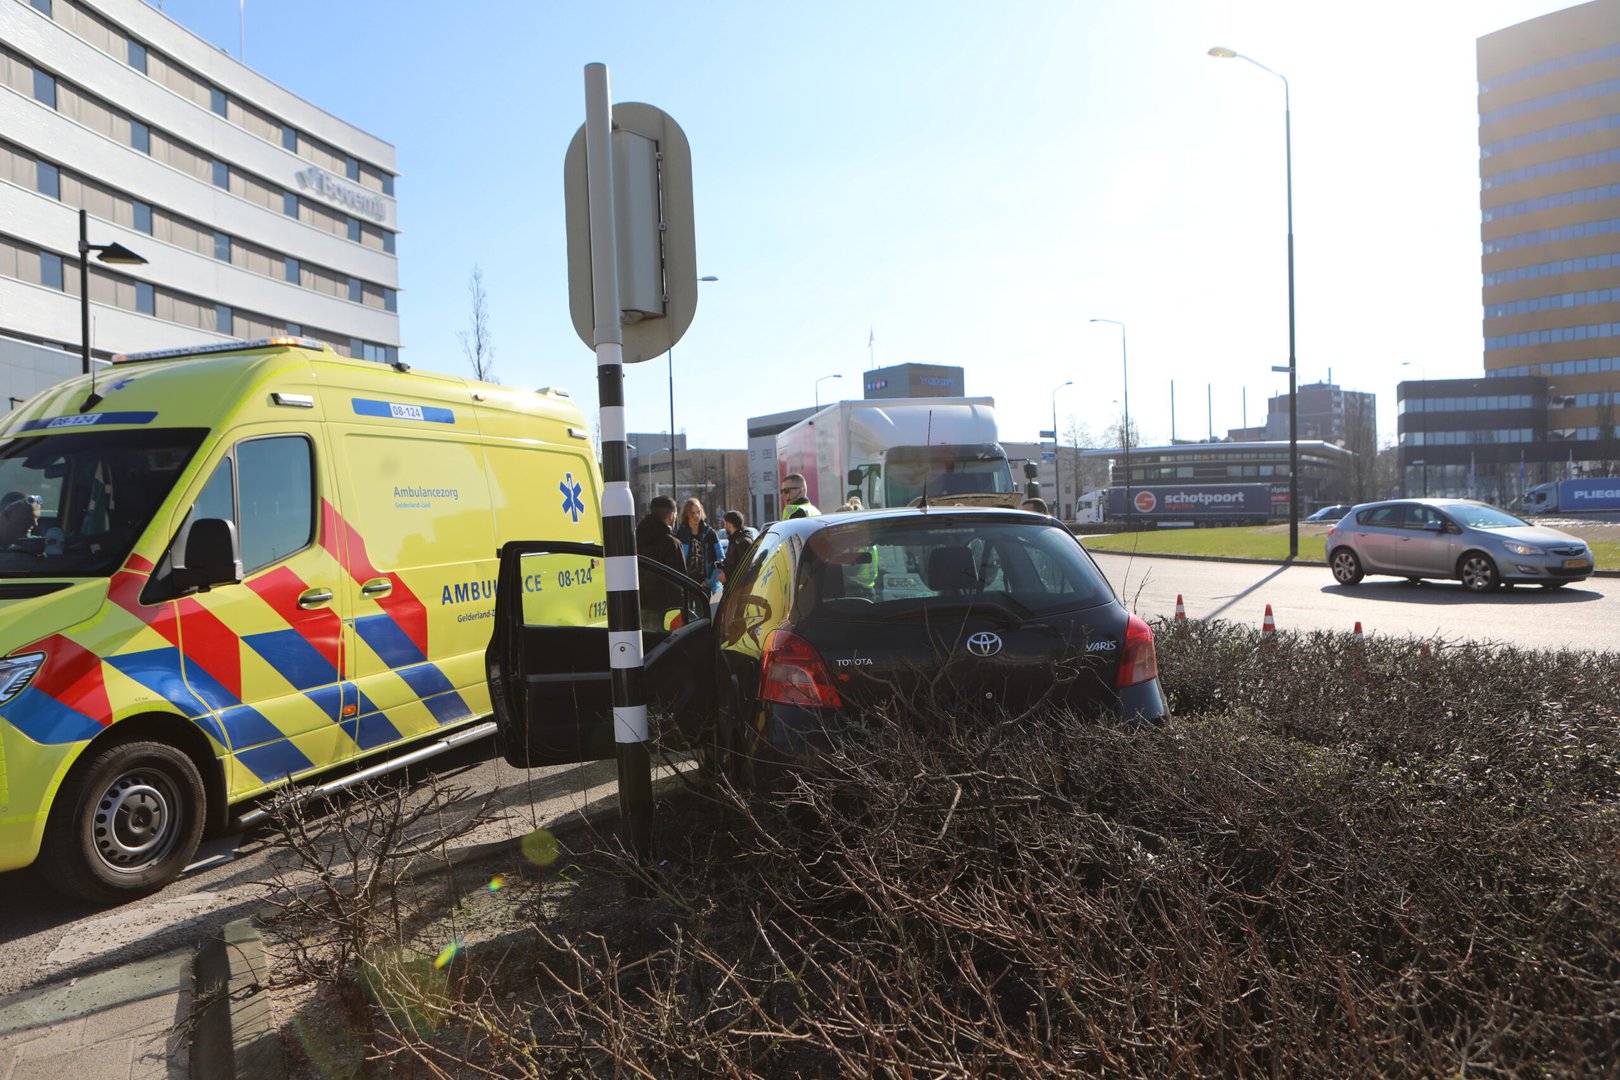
x=1116 y=432
x=476 y=341
x=1089 y=473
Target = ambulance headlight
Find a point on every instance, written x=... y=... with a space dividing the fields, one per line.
x=16 y=672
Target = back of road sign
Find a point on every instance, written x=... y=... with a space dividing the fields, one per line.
x=657 y=253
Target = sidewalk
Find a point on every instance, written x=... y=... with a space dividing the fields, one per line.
x=126 y=1022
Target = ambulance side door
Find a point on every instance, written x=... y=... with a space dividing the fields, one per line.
x=266 y=655
x=415 y=517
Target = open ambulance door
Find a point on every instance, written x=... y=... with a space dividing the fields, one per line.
x=547 y=662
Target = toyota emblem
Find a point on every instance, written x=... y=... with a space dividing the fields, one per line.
x=984 y=643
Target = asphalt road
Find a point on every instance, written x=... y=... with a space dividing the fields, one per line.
x=1579 y=616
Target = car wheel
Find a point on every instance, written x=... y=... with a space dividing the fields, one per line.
x=125 y=822
x=1478 y=572
x=1346 y=567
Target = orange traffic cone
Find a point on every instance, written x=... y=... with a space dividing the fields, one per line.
x=1270 y=625
x=1356 y=633
x=1181 y=617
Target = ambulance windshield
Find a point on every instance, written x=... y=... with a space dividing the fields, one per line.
x=74 y=504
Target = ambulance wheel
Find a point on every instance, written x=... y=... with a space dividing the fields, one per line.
x=125 y=822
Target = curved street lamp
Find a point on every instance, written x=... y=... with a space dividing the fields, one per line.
x=819 y=381
x=1220 y=52
x=112 y=255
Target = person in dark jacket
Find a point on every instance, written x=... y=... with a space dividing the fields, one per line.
x=739 y=539
x=700 y=544
x=655 y=540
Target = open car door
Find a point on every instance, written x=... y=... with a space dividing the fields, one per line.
x=547 y=662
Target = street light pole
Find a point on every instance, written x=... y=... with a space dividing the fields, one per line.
x=1057 y=473
x=1293 y=365
x=1125 y=397
x=671 y=357
x=113 y=255
x=819 y=381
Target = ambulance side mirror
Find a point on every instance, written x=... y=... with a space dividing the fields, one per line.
x=211 y=557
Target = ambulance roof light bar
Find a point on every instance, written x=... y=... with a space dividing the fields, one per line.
x=222 y=347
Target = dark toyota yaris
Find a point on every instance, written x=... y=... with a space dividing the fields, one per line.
x=830 y=619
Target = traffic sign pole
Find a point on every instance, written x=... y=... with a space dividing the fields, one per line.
x=618 y=504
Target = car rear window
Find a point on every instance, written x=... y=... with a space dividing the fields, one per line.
x=878 y=568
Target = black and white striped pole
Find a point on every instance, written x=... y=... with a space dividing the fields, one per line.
x=618 y=504
x=632 y=286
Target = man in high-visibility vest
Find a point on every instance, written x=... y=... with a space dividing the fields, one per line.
x=794 y=502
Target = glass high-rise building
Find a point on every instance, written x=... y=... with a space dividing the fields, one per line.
x=1549 y=163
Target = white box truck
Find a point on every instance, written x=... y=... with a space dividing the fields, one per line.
x=890 y=451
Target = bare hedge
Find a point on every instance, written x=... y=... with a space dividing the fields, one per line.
x=1333 y=862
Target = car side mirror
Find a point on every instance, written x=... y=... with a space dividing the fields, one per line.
x=1031 y=470
x=855 y=476
x=210 y=555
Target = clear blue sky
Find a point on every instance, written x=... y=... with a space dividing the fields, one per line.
x=972 y=182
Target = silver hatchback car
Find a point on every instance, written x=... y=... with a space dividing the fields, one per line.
x=1472 y=542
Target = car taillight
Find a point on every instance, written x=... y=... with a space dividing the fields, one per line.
x=792 y=672
x=1138 y=662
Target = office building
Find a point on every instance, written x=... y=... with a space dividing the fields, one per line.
x=913 y=381
x=258 y=213
x=1549 y=163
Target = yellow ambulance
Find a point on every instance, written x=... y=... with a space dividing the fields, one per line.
x=226 y=568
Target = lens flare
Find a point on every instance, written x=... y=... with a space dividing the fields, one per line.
x=447 y=954
x=496 y=883
x=540 y=847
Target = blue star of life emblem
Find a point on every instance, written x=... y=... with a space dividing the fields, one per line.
x=572 y=504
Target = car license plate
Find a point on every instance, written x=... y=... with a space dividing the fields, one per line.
x=1574 y=564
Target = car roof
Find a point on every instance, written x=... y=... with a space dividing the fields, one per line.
x=807 y=525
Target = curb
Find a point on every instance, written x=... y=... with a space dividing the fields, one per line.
x=1290 y=564
x=234 y=1035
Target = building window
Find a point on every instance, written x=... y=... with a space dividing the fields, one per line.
x=137 y=56
x=289 y=138
x=48 y=180
x=222 y=247
x=354 y=230
x=224 y=319
x=289 y=204
x=351 y=168
x=388 y=184
x=145 y=298
x=216 y=100
x=42 y=6
x=390 y=299
x=222 y=175
x=50 y=270
x=356 y=291
x=44 y=88
x=294 y=329
x=140 y=137
x=143 y=217
x=292 y=270
x=388 y=242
